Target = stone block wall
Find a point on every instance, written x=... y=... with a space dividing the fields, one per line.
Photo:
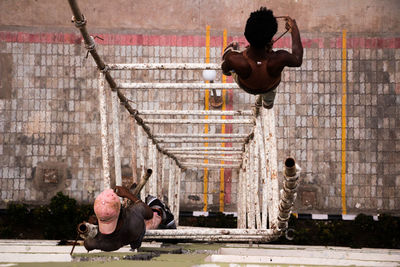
x=50 y=130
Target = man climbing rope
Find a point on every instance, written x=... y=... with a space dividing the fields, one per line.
x=119 y=226
x=257 y=69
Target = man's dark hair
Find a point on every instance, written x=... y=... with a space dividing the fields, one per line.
x=261 y=26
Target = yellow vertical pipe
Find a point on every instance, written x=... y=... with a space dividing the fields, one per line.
x=222 y=171
x=207 y=107
x=344 y=100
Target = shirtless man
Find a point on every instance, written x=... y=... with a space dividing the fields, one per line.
x=257 y=69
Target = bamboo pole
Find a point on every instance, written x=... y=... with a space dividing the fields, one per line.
x=197 y=112
x=142 y=153
x=160 y=167
x=163 y=175
x=104 y=133
x=256 y=185
x=152 y=160
x=207 y=153
x=181 y=177
x=165 y=66
x=176 y=86
x=171 y=183
x=250 y=224
x=244 y=193
x=218 y=158
x=201 y=148
x=288 y=193
x=80 y=23
x=240 y=200
x=196 y=165
x=212 y=231
x=253 y=176
x=142 y=182
x=270 y=141
x=117 y=146
x=212 y=234
x=198 y=121
x=195 y=135
x=176 y=192
x=263 y=170
x=134 y=149
x=199 y=140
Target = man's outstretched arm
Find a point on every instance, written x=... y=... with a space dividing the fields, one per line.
x=283 y=58
x=297 y=46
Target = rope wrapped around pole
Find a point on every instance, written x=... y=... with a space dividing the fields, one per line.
x=291 y=173
x=80 y=23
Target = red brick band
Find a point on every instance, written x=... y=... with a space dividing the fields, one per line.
x=193 y=40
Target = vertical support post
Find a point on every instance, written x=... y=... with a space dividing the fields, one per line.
x=152 y=159
x=159 y=162
x=206 y=107
x=181 y=177
x=242 y=197
x=156 y=175
x=104 y=132
x=263 y=169
x=250 y=211
x=176 y=191
x=270 y=142
x=288 y=192
x=245 y=189
x=142 y=151
x=252 y=186
x=256 y=175
x=161 y=181
x=239 y=199
x=134 y=149
x=171 y=184
x=117 y=157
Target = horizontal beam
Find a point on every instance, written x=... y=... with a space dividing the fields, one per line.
x=222 y=158
x=200 y=140
x=194 y=121
x=177 y=86
x=196 y=165
x=214 y=238
x=165 y=66
x=187 y=135
x=192 y=231
x=198 y=112
x=207 y=152
x=201 y=148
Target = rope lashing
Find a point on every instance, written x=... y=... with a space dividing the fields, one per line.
x=105 y=69
x=79 y=23
x=91 y=45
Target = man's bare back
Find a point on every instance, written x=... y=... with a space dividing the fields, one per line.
x=258 y=68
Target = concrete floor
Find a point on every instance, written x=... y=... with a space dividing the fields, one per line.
x=48 y=253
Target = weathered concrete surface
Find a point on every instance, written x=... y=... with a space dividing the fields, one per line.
x=323 y=256
x=46 y=252
x=49 y=112
x=372 y=16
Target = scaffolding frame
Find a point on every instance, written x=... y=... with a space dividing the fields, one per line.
x=258 y=220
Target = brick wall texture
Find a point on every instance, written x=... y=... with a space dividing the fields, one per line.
x=49 y=115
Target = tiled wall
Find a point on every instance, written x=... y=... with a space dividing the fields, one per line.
x=49 y=115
